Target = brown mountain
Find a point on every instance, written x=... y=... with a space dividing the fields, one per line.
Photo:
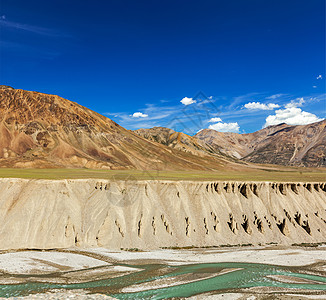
x=281 y=144
x=301 y=145
x=234 y=144
x=39 y=130
x=179 y=141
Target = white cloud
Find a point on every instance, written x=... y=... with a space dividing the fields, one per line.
x=214 y=120
x=225 y=127
x=314 y=86
x=261 y=106
x=319 y=77
x=292 y=116
x=295 y=103
x=139 y=115
x=187 y=101
x=275 y=96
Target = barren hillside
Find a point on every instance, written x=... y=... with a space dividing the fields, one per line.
x=281 y=144
x=302 y=145
x=39 y=130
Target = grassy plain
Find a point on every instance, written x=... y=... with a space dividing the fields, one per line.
x=283 y=175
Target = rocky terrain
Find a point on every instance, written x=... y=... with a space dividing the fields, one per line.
x=46 y=214
x=281 y=144
x=44 y=131
x=187 y=143
x=63 y=295
x=301 y=145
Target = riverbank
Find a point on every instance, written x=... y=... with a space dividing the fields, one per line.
x=273 y=255
x=237 y=274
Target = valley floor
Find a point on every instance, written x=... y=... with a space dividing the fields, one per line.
x=272 y=272
x=259 y=173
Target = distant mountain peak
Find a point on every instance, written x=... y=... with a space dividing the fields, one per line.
x=282 y=144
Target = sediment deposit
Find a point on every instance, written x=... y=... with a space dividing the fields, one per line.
x=47 y=214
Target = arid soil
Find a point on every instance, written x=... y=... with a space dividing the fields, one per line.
x=46 y=214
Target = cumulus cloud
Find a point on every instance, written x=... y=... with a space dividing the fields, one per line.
x=295 y=103
x=319 y=77
x=225 y=127
x=214 y=120
x=187 y=101
x=139 y=115
x=261 y=106
x=291 y=115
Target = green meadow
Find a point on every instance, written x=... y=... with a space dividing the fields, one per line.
x=286 y=175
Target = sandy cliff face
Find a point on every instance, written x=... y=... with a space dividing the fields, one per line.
x=153 y=214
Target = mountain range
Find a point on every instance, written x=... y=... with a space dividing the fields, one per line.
x=46 y=131
x=301 y=145
x=38 y=130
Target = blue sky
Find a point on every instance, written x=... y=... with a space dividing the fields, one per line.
x=238 y=65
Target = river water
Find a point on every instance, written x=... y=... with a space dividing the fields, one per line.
x=182 y=281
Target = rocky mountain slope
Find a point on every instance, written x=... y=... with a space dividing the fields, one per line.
x=39 y=130
x=280 y=144
x=178 y=140
x=302 y=145
x=154 y=214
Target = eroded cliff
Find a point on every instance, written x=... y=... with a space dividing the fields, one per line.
x=154 y=214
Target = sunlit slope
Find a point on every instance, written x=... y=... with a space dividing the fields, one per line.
x=44 y=131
